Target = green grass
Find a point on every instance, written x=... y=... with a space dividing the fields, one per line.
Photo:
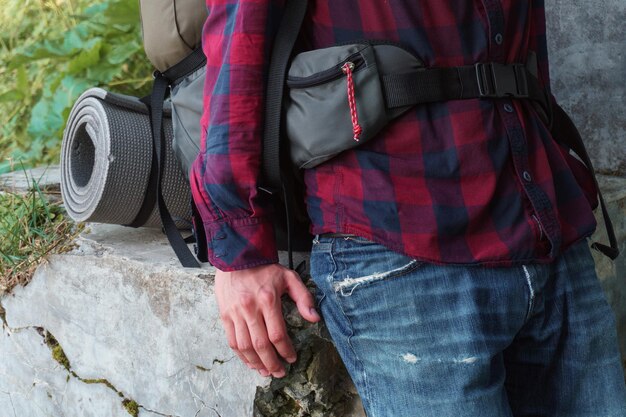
x=51 y=51
x=32 y=229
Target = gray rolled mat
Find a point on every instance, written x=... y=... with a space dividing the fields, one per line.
x=106 y=162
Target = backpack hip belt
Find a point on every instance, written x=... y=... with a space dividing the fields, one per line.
x=342 y=96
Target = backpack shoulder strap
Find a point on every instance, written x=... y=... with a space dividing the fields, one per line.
x=563 y=129
x=286 y=36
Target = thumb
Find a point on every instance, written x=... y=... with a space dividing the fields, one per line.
x=302 y=297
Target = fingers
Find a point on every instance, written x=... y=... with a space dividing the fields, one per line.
x=302 y=297
x=277 y=330
x=244 y=348
x=252 y=344
x=251 y=311
x=264 y=349
x=229 y=328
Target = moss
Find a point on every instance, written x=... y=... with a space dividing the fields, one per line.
x=57 y=351
x=99 y=381
x=279 y=405
x=59 y=356
x=3 y=313
x=95 y=381
x=131 y=407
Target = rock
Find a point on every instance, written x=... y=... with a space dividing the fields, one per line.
x=47 y=178
x=123 y=311
x=318 y=384
x=587 y=66
x=612 y=274
x=33 y=384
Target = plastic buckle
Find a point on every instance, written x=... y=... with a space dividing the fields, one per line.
x=500 y=81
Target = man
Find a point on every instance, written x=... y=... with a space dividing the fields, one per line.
x=450 y=258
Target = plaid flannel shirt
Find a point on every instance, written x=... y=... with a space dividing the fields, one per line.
x=477 y=181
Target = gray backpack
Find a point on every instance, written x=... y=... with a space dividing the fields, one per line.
x=172 y=35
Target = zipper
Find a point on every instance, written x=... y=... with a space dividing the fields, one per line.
x=327 y=75
x=375 y=42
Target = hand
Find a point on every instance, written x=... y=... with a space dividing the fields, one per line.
x=250 y=307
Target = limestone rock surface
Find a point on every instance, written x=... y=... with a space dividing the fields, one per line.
x=33 y=384
x=135 y=327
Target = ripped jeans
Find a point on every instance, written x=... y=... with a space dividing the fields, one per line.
x=424 y=340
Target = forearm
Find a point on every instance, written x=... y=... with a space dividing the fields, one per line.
x=225 y=176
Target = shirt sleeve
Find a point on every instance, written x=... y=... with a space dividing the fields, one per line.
x=236 y=218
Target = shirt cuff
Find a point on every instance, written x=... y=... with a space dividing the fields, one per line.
x=240 y=243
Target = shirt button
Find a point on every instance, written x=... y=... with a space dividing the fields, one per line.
x=508 y=108
x=527 y=176
x=499 y=38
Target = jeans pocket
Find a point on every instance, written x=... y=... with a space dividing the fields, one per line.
x=361 y=263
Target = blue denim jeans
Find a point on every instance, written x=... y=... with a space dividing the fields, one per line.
x=425 y=340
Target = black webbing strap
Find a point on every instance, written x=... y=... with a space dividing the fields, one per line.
x=189 y=64
x=154 y=194
x=159 y=92
x=200 y=245
x=485 y=80
x=566 y=131
x=282 y=48
x=281 y=51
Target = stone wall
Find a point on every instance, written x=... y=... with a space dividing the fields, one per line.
x=587 y=47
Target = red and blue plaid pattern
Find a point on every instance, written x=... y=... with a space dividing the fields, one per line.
x=463 y=182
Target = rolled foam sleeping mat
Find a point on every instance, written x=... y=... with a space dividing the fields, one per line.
x=106 y=161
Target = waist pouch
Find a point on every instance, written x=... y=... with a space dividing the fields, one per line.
x=335 y=98
x=342 y=96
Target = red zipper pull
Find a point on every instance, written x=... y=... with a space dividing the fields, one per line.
x=347 y=69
